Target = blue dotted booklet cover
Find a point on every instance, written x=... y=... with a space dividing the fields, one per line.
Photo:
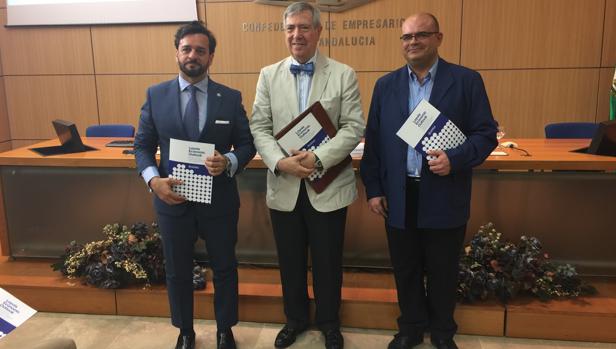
x=13 y=312
x=308 y=131
x=187 y=163
x=306 y=135
x=427 y=129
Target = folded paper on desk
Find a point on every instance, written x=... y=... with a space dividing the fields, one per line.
x=307 y=132
x=604 y=140
x=187 y=163
x=69 y=139
x=427 y=129
x=13 y=312
x=120 y=144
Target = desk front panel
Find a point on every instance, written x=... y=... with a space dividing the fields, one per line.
x=570 y=212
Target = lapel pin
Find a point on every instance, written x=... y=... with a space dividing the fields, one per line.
x=218 y=94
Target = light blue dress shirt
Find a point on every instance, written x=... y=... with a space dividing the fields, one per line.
x=302 y=82
x=418 y=91
x=151 y=171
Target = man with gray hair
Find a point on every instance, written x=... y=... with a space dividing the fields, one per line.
x=302 y=219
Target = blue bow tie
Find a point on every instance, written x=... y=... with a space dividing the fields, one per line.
x=308 y=68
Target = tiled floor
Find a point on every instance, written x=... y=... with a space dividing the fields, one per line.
x=123 y=332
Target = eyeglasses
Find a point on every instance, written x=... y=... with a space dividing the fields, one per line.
x=417 y=36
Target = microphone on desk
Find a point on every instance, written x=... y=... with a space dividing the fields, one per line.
x=513 y=145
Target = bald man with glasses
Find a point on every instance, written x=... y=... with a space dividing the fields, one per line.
x=425 y=204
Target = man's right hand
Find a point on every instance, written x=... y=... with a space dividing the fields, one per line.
x=378 y=205
x=162 y=188
x=292 y=165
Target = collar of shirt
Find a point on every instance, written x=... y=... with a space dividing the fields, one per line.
x=202 y=85
x=430 y=76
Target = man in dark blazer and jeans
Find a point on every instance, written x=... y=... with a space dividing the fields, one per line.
x=426 y=204
x=195 y=108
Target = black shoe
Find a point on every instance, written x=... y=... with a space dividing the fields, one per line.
x=444 y=343
x=333 y=339
x=287 y=336
x=225 y=340
x=185 y=342
x=401 y=341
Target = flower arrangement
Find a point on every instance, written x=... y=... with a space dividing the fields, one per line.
x=493 y=268
x=126 y=256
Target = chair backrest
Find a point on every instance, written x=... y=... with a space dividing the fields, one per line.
x=110 y=130
x=571 y=130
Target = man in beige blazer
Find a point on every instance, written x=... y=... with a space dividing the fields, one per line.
x=302 y=219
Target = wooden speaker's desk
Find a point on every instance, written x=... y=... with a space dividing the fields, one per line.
x=49 y=201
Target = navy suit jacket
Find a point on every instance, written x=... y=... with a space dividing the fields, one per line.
x=161 y=119
x=444 y=201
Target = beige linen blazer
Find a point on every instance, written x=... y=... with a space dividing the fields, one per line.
x=276 y=103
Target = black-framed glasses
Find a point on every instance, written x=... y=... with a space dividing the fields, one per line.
x=417 y=36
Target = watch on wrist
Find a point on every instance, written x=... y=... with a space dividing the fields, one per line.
x=317 y=163
x=229 y=165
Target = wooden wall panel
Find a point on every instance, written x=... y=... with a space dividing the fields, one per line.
x=379 y=49
x=33 y=101
x=201 y=11
x=2 y=45
x=45 y=50
x=18 y=143
x=532 y=33
x=523 y=101
x=120 y=97
x=609 y=35
x=242 y=49
x=5 y=131
x=245 y=83
x=134 y=49
x=366 y=86
x=5 y=146
x=606 y=77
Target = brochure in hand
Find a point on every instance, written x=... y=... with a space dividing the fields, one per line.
x=427 y=129
x=310 y=130
x=187 y=163
x=13 y=312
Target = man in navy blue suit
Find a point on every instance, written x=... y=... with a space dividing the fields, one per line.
x=195 y=108
x=426 y=204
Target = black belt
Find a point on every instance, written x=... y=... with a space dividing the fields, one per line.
x=413 y=179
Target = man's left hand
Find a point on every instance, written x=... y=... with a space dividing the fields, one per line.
x=216 y=164
x=440 y=165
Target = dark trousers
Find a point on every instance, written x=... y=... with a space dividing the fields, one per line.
x=323 y=232
x=425 y=304
x=179 y=235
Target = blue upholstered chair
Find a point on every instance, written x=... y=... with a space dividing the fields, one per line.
x=571 y=130
x=110 y=130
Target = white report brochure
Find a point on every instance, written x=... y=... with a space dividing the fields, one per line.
x=427 y=129
x=13 y=312
x=306 y=135
x=187 y=163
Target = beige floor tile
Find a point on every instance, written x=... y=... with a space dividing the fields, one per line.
x=34 y=330
x=124 y=332
x=521 y=343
